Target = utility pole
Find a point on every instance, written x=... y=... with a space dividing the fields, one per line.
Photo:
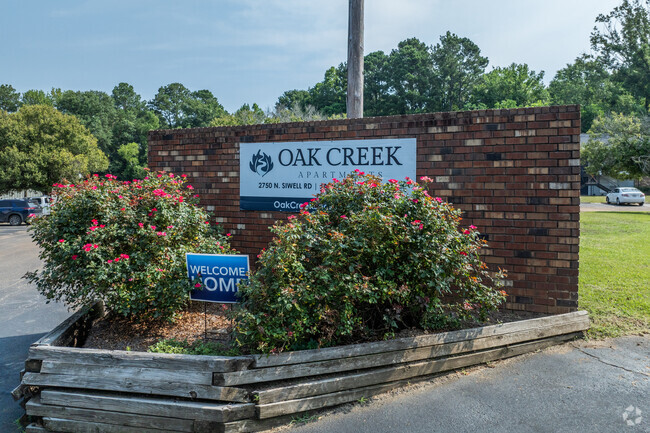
x=355 y=60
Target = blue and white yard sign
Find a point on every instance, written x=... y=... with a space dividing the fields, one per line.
x=219 y=275
x=282 y=176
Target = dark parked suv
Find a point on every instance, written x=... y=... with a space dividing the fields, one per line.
x=16 y=211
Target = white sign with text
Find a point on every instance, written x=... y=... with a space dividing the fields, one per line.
x=282 y=176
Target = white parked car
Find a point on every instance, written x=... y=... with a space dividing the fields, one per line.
x=44 y=202
x=626 y=195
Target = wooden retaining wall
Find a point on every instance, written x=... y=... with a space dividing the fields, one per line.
x=69 y=389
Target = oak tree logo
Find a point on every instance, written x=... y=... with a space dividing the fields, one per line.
x=261 y=163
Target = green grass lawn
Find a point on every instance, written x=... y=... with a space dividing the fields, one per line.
x=615 y=272
x=592 y=199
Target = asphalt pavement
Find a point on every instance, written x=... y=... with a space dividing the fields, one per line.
x=24 y=315
x=577 y=387
x=604 y=207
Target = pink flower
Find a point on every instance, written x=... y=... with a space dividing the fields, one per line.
x=102 y=226
x=438 y=199
x=415 y=200
x=141 y=225
x=61 y=240
x=93 y=228
x=74 y=257
x=123 y=209
x=117 y=260
x=183 y=176
x=171 y=174
x=472 y=227
x=344 y=217
x=130 y=279
x=360 y=183
x=196 y=196
x=228 y=234
x=94 y=245
x=373 y=185
x=32 y=215
x=426 y=179
x=93 y=187
x=467 y=306
x=160 y=175
x=161 y=234
x=119 y=196
x=154 y=210
x=124 y=256
x=314 y=199
x=146 y=178
x=393 y=181
x=170 y=227
x=153 y=227
x=190 y=187
x=466 y=232
x=197 y=285
x=109 y=261
x=421 y=226
x=95 y=175
x=335 y=180
x=416 y=222
x=304 y=205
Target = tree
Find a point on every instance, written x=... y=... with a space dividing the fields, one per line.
x=618 y=146
x=9 y=98
x=127 y=162
x=245 y=115
x=37 y=97
x=96 y=111
x=409 y=77
x=515 y=83
x=200 y=108
x=329 y=96
x=291 y=98
x=375 y=84
x=169 y=103
x=458 y=65
x=587 y=82
x=133 y=121
x=622 y=44
x=40 y=146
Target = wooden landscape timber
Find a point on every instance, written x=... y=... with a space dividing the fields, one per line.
x=71 y=389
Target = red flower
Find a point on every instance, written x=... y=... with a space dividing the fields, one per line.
x=61 y=240
x=466 y=232
x=74 y=257
x=123 y=209
x=463 y=253
x=197 y=285
x=392 y=181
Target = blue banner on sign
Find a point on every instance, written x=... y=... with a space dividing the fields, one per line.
x=219 y=275
x=281 y=204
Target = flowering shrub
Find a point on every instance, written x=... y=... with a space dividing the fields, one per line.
x=124 y=243
x=362 y=260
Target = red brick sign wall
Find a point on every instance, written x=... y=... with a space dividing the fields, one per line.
x=514 y=173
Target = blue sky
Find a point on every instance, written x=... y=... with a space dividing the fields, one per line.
x=248 y=51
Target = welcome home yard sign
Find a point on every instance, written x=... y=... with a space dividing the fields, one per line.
x=281 y=176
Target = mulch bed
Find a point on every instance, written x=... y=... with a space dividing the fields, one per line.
x=116 y=333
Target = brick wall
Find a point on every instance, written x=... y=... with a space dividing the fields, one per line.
x=514 y=173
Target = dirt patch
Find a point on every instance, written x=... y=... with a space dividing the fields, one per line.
x=116 y=333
